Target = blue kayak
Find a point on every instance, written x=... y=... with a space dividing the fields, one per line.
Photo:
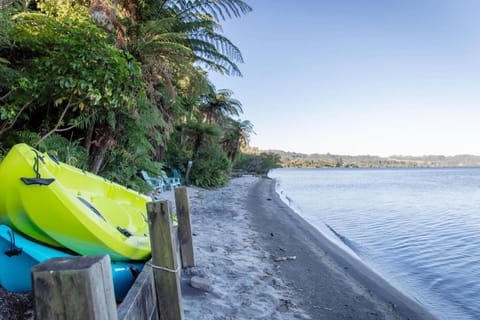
x=18 y=255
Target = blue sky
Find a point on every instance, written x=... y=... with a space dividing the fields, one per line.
x=379 y=77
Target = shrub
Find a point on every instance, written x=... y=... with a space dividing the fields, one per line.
x=257 y=163
x=211 y=167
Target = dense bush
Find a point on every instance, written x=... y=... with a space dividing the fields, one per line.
x=258 y=163
x=70 y=152
x=210 y=167
x=201 y=144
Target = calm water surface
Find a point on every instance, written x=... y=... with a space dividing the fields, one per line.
x=418 y=228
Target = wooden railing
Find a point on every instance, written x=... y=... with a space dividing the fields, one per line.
x=82 y=287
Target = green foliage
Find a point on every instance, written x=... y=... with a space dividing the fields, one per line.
x=258 y=163
x=25 y=136
x=219 y=105
x=123 y=166
x=236 y=136
x=68 y=71
x=63 y=8
x=6 y=12
x=198 y=133
x=217 y=9
x=210 y=167
x=199 y=142
x=133 y=151
x=76 y=77
x=74 y=62
x=339 y=162
x=198 y=21
x=104 y=85
x=67 y=151
x=178 y=154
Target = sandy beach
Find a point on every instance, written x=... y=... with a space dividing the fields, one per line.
x=262 y=261
x=259 y=260
x=265 y=262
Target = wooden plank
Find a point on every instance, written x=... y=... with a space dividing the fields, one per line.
x=184 y=227
x=166 y=272
x=74 y=288
x=140 y=302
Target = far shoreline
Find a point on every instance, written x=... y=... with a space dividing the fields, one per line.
x=325 y=276
x=291 y=159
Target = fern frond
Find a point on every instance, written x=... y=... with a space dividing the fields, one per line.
x=220 y=9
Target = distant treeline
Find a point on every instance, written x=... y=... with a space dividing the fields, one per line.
x=300 y=160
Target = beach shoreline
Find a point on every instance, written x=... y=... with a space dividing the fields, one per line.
x=330 y=283
x=266 y=262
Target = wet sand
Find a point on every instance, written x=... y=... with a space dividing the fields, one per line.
x=329 y=283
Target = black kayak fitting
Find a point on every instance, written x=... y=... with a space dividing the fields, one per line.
x=39 y=181
x=91 y=207
x=124 y=231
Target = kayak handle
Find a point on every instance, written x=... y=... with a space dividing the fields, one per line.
x=39 y=181
x=125 y=232
x=14 y=250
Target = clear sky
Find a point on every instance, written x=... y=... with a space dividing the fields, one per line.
x=379 y=77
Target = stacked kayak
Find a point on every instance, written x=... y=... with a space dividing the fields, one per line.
x=64 y=207
x=19 y=254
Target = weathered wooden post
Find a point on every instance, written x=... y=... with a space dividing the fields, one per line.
x=166 y=268
x=74 y=288
x=184 y=227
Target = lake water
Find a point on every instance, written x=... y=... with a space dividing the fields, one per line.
x=418 y=228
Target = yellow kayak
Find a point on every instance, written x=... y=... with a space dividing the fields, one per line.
x=63 y=206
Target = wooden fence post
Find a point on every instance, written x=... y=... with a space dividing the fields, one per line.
x=74 y=288
x=166 y=269
x=184 y=227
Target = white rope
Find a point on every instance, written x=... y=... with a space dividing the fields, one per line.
x=163 y=268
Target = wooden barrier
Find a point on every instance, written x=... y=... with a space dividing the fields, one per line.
x=166 y=268
x=82 y=287
x=184 y=227
x=140 y=302
x=74 y=288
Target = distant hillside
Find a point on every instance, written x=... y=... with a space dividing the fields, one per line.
x=293 y=159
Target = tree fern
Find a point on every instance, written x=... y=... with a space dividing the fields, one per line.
x=220 y=9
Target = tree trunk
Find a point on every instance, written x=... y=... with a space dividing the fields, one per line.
x=103 y=143
x=89 y=137
x=159 y=153
x=198 y=144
